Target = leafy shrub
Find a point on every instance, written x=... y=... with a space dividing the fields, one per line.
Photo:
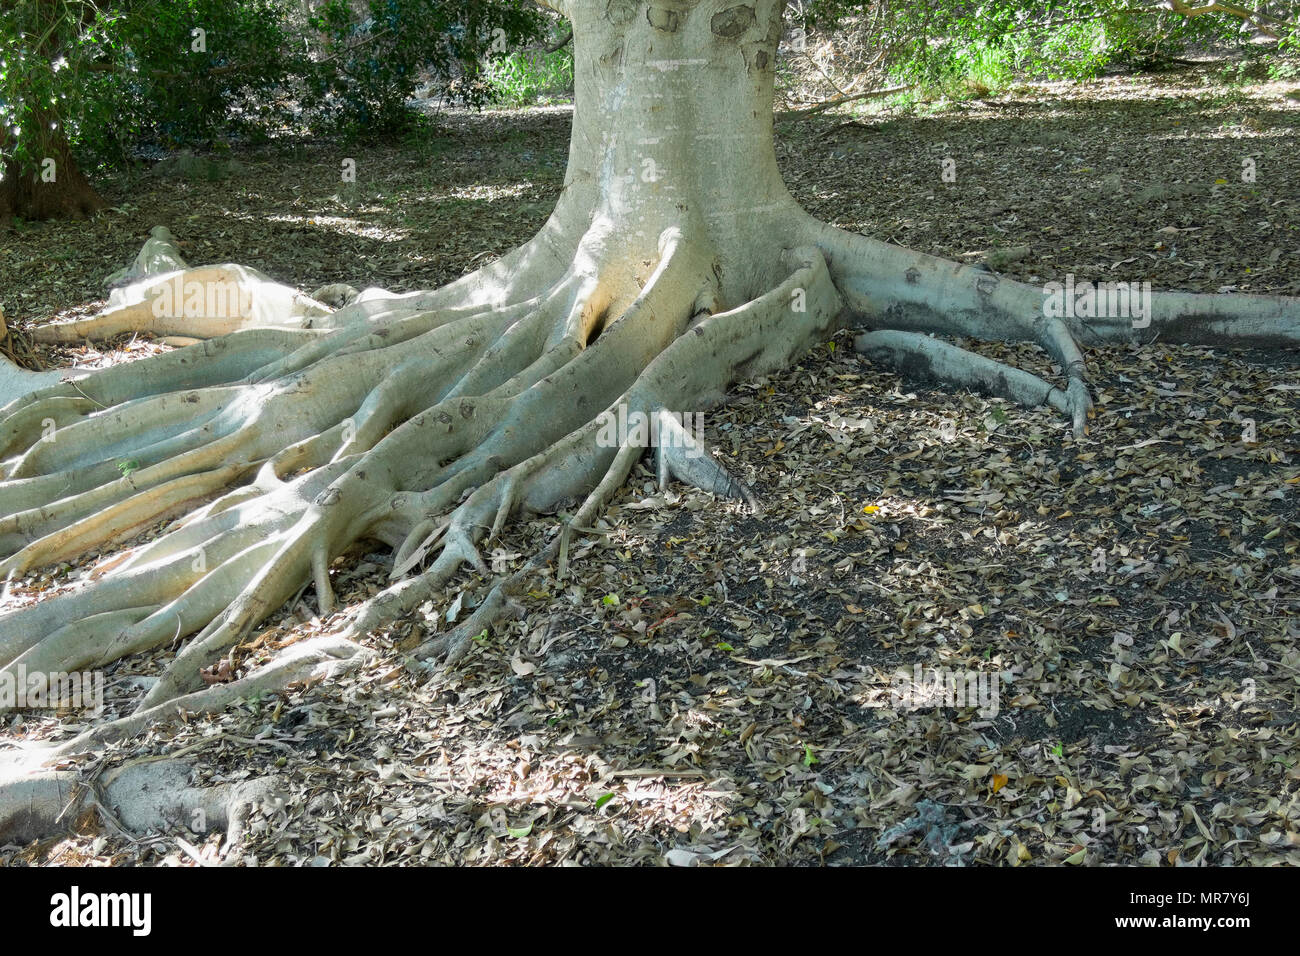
x=370 y=57
x=943 y=43
x=521 y=79
x=109 y=74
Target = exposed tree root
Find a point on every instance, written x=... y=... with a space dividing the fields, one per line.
x=155 y=794
x=160 y=293
x=675 y=264
x=427 y=429
x=901 y=296
x=920 y=356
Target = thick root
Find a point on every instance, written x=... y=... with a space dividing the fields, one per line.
x=16 y=382
x=889 y=287
x=682 y=456
x=204 y=302
x=922 y=357
x=156 y=795
x=894 y=290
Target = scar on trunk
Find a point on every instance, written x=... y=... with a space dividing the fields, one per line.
x=662 y=18
x=620 y=12
x=732 y=22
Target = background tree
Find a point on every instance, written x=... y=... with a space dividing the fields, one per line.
x=39 y=177
x=95 y=79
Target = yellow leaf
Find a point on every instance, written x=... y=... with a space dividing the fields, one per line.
x=871 y=509
x=1220 y=182
x=999 y=781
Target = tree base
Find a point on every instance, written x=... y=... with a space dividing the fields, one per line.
x=69 y=196
x=416 y=422
x=674 y=265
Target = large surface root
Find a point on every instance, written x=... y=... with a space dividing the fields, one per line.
x=154 y=794
x=428 y=437
x=894 y=290
x=922 y=357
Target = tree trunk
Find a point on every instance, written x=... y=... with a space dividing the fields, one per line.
x=55 y=188
x=674 y=264
x=673 y=130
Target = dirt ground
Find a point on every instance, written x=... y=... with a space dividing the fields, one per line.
x=714 y=686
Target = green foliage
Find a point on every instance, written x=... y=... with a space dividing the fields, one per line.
x=958 y=45
x=1290 y=43
x=523 y=79
x=108 y=74
x=179 y=86
x=370 y=57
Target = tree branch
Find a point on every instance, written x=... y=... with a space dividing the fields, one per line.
x=1254 y=18
x=841 y=100
x=560 y=44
